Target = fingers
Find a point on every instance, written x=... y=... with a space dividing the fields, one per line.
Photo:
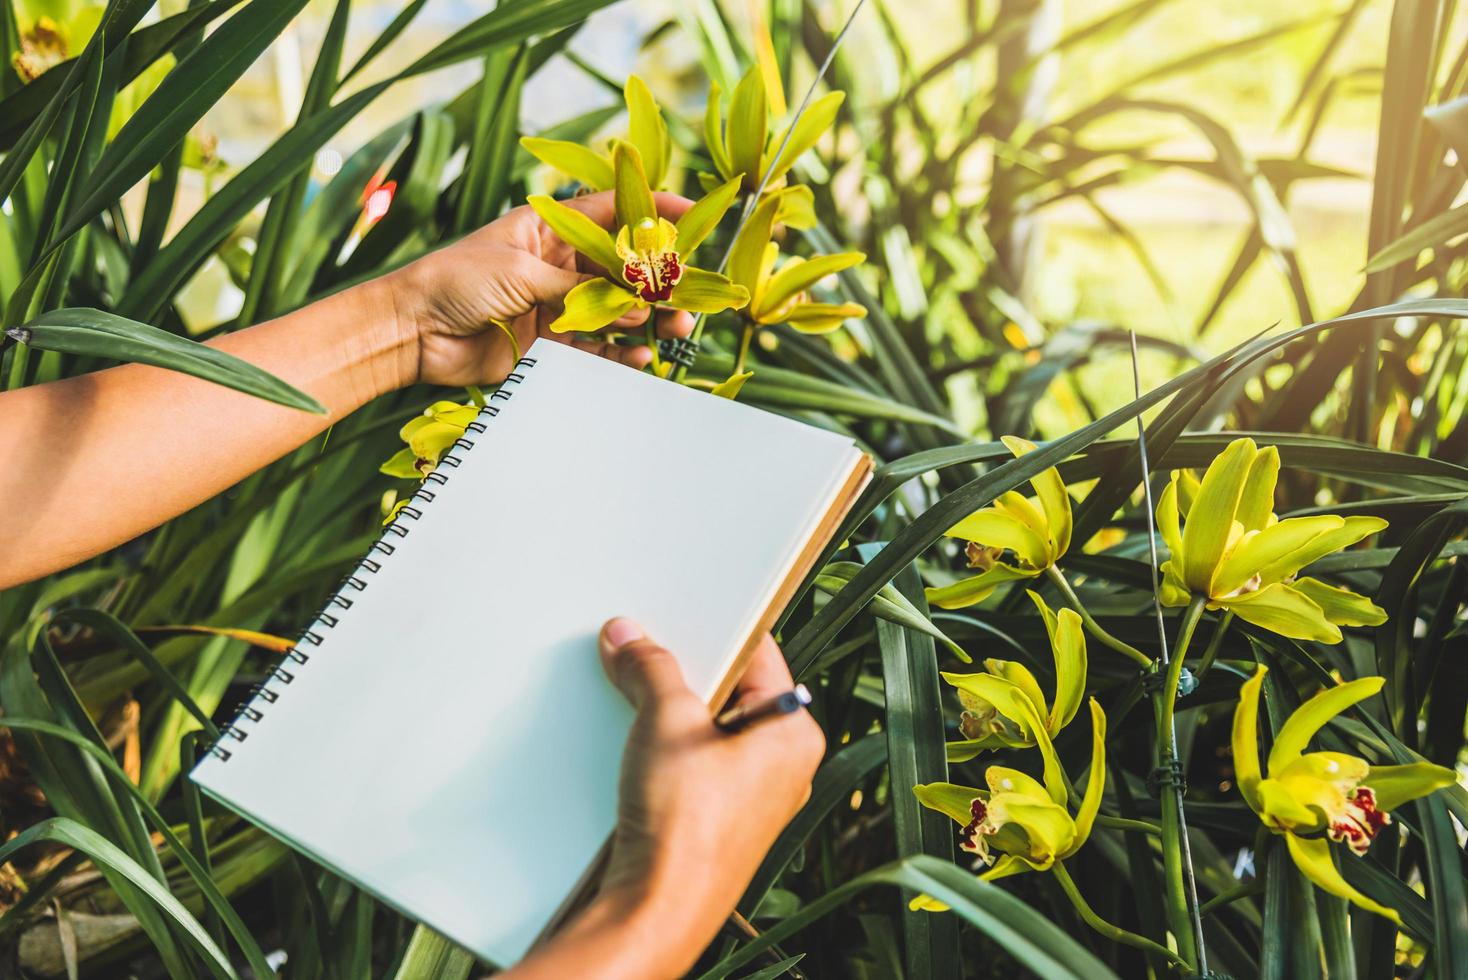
x=767 y=673
x=600 y=207
x=634 y=357
x=644 y=672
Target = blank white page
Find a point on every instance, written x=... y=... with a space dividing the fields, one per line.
x=452 y=745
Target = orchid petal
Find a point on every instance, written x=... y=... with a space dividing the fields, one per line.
x=701 y=291
x=1281 y=810
x=949 y=798
x=1003 y=694
x=1053 y=497
x=1268 y=548
x=592 y=305
x=749 y=119
x=1282 y=609
x=729 y=387
x=1168 y=524
x=976 y=588
x=713 y=134
x=578 y=231
x=814 y=122
x=1013 y=864
x=1395 y=785
x=1206 y=534
x=747 y=255
x=1069 y=646
x=1095 y=781
x=1315 y=862
x=1002 y=779
x=1050 y=830
x=1297 y=731
x=633 y=196
x=818 y=318
x=796 y=277
x=797 y=207
x=1019 y=675
x=403 y=463
x=576 y=161
x=703 y=217
x=1341 y=606
x=1352 y=530
x=1246 y=740
x=1256 y=501
x=998 y=529
x=646 y=129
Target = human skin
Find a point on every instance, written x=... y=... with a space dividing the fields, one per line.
x=699 y=809
x=96 y=460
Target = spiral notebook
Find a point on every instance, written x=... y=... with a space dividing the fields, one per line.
x=442 y=734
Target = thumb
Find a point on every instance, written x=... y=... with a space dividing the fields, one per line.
x=644 y=672
x=540 y=283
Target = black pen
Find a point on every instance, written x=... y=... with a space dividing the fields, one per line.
x=747 y=714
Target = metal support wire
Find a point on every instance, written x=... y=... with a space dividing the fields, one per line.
x=1171 y=762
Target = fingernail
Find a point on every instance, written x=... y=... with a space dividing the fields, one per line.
x=617 y=633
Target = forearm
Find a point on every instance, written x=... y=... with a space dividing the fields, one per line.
x=95 y=460
x=612 y=939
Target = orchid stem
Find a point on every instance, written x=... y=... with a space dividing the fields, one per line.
x=1120 y=646
x=1182 y=916
x=744 y=340
x=1113 y=932
x=1214 y=645
x=1126 y=823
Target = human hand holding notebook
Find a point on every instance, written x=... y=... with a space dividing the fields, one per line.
x=467 y=624
x=698 y=809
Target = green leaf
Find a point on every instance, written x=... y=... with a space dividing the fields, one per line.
x=916 y=755
x=69 y=833
x=430 y=956
x=1035 y=943
x=889 y=604
x=189 y=91
x=97 y=334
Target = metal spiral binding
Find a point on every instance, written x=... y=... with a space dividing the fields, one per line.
x=266 y=692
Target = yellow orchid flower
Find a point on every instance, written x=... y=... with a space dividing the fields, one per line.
x=1035 y=530
x=1299 y=794
x=429 y=436
x=1004 y=706
x=744 y=147
x=1019 y=823
x=1233 y=550
x=646 y=130
x=782 y=296
x=645 y=263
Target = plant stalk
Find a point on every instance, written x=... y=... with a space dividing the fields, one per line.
x=1214 y=644
x=1120 y=646
x=1180 y=898
x=1113 y=932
